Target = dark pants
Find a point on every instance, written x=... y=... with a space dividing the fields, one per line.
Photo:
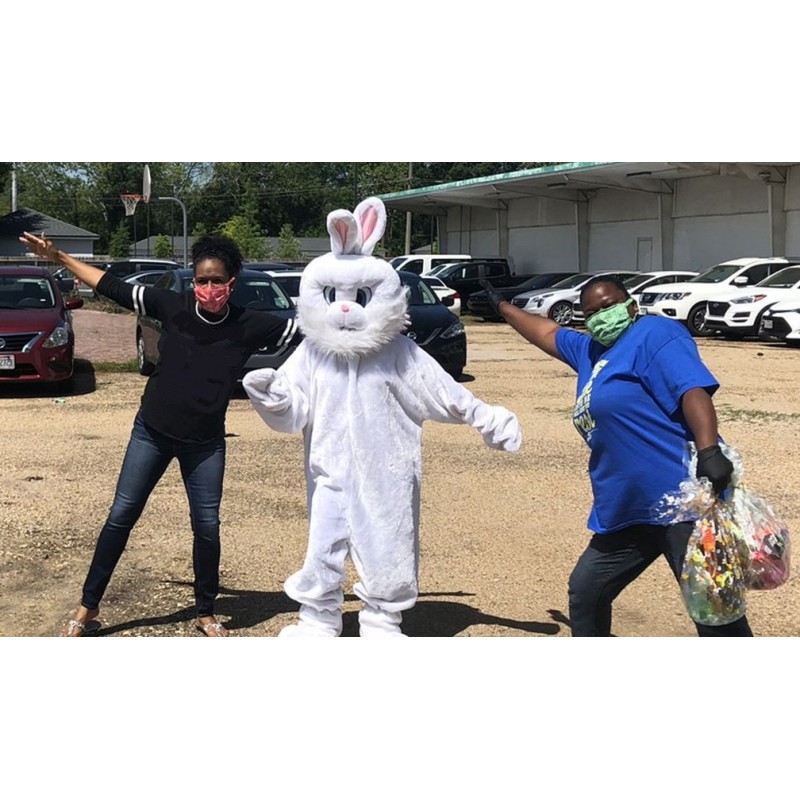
x=147 y=458
x=613 y=561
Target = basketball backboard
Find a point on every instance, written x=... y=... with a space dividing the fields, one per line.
x=146 y=184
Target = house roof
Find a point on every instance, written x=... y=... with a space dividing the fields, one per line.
x=572 y=181
x=26 y=219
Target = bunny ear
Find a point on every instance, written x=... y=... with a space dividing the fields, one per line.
x=371 y=218
x=345 y=235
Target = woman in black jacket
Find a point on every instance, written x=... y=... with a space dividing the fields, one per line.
x=205 y=343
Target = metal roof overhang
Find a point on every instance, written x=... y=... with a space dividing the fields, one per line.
x=573 y=183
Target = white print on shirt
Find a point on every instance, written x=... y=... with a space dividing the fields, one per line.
x=581 y=417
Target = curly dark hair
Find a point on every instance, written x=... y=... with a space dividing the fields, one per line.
x=221 y=247
x=609 y=280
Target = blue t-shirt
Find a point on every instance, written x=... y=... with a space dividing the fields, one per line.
x=629 y=413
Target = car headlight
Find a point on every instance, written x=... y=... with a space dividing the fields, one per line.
x=673 y=296
x=58 y=338
x=753 y=298
x=454 y=330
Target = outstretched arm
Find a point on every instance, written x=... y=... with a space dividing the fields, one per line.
x=44 y=248
x=537 y=330
x=701 y=417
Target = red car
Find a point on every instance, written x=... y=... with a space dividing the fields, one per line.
x=36 y=336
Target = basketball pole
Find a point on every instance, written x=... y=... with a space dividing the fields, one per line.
x=148 y=197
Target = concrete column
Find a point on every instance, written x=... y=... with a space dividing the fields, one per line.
x=501 y=217
x=582 y=234
x=776 y=204
x=667 y=228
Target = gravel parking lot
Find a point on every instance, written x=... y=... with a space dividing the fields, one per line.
x=500 y=533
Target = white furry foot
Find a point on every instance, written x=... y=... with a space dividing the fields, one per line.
x=314 y=623
x=300 y=631
x=376 y=622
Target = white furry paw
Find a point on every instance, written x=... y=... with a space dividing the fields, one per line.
x=301 y=631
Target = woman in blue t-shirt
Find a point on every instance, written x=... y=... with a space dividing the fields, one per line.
x=643 y=392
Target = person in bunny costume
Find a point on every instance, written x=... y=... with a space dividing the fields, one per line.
x=359 y=390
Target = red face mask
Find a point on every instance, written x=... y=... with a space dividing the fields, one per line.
x=213 y=296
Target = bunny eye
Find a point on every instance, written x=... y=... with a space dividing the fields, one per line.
x=329 y=293
x=363 y=296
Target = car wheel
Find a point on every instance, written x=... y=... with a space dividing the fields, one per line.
x=561 y=313
x=145 y=367
x=696 y=321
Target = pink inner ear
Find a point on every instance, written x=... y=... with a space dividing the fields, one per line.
x=341 y=229
x=368 y=222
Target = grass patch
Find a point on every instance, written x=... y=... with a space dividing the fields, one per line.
x=727 y=414
x=82 y=365
x=102 y=304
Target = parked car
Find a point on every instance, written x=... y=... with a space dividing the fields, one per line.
x=636 y=285
x=781 y=322
x=425 y=264
x=466 y=277
x=434 y=327
x=478 y=304
x=556 y=302
x=253 y=289
x=267 y=266
x=288 y=280
x=64 y=280
x=686 y=302
x=37 y=341
x=738 y=312
x=122 y=269
x=145 y=278
x=449 y=297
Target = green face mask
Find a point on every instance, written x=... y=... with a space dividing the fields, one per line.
x=608 y=325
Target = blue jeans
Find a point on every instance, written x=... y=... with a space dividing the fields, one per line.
x=613 y=561
x=147 y=458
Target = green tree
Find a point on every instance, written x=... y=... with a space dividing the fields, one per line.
x=245 y=232
x=288 y=248
x=163 y=247
x=120 y=244
x=199 y=230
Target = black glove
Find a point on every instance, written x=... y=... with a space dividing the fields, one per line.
x=712 y=464
x=492 y=296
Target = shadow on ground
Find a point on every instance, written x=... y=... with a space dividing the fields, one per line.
x=429 y=618
x=83 y=381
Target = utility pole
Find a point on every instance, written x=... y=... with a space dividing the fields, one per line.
x=355 y=184
x=408 y=213
x=13 y=187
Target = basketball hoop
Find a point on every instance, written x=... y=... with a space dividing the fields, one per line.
x=130 y=201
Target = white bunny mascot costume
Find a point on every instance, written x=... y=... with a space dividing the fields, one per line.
x=359 y=391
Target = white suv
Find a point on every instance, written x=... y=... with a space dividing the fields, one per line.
x=738 y=312
x=686 y=302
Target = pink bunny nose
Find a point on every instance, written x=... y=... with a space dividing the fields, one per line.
x=345 y=309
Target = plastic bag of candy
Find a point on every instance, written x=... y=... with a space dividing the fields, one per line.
x=738 y=543
x=766 y=536
x=714 y=576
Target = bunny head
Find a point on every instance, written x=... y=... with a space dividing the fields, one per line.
x=351 y=303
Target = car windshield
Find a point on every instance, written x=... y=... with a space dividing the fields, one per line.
x=289 y=283
x=783 y=279
x=635 y=280
x=571 y=282
x=25 y=292
x=716 y=274
x=420 y=294
x=536 y=282
x=261 y=294
x=396 y=262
